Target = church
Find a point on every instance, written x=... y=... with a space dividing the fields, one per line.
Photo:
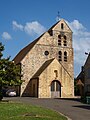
x=47 y=64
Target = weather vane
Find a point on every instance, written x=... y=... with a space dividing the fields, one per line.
x=58 y=16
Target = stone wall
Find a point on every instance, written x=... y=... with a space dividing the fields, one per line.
x=46 y=78
x=36 y=56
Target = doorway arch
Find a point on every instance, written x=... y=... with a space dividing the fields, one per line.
x=55 y=89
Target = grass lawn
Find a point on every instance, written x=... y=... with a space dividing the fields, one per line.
x=20 y=111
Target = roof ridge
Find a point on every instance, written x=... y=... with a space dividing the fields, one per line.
x=25 y=50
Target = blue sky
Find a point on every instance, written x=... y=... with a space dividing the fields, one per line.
x=18 y=17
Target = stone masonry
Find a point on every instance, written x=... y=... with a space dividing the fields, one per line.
x=55 y=44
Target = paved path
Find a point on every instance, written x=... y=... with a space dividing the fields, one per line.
x=69 y=107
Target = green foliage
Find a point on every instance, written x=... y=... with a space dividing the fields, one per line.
x=1 y=49
x=76 y=88
x=9 y=72
x=1 y=96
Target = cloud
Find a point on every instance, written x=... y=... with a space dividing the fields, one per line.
x=81 y=41
x=34 y=28
x=81 y=37
x=6 y=36
x=17 y=26
x=31 y=28
x=76 y=25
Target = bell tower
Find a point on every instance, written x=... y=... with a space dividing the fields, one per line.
x=63 y=36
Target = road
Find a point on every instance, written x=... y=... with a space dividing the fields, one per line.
x=72 y=108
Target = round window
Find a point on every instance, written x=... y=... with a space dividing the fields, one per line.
x=46 y=53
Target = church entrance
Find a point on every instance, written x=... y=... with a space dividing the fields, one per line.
x=55 y=89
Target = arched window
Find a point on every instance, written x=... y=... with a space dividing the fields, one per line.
x=65 y=37
x=59 y=40
x=65 y=41
x=60 y=56
x=65 y=56
x=55 y=73
x=59 y=36
x=62 y=26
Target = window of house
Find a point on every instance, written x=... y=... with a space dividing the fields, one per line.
x=65 y=42
x=62 y=26
x=60 y=56
x=59 y=40
x=65 y=37
x=59 y=36
x=55 y=73
x=65 y=56
x=46 y=53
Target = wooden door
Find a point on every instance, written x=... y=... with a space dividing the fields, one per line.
x=55 y=89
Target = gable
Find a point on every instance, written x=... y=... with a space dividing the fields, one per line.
x=42 y=68
x=44 y=39
x=61 y=26
x=51 y=63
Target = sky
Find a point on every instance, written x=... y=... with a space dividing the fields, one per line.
x=22 y=21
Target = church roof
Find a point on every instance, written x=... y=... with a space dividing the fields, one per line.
x=42 y=68
x=24 y=51
x=18 y=58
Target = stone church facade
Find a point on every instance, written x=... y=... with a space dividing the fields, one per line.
x=47 y=64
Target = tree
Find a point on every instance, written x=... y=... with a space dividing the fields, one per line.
x=76 y=88
x=1 y=49
x=9 y=72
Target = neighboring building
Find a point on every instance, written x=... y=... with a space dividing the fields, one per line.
x=47 y=64
x=83 y=79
